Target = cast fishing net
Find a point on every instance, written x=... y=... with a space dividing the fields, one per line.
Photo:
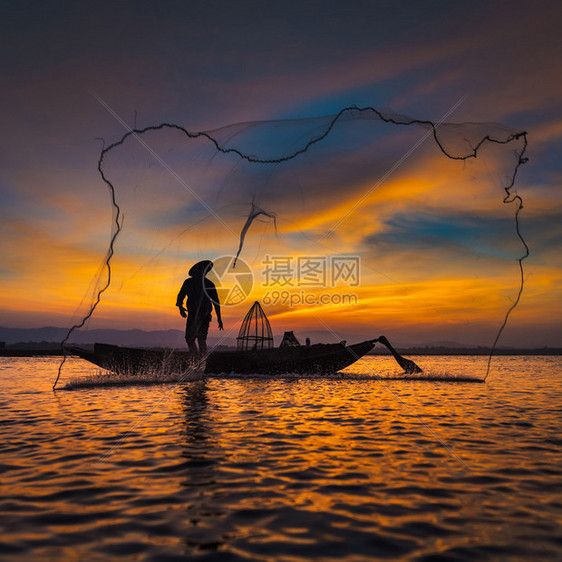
x=429 y=211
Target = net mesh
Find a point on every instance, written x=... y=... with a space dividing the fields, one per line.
x=430 y=207
x=255 y=332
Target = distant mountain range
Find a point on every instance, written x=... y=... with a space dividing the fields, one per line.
x=140 y=338
x=137 y=338
x=46 y=339
x=157 y=338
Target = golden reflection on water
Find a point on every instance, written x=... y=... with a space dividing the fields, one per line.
x=284 y=468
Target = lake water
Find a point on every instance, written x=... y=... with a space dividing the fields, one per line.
x=284 y=469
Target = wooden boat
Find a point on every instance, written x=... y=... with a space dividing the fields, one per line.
x=255 y=354
x=318 y=358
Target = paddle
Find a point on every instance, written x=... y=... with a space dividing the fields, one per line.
x=407 y=364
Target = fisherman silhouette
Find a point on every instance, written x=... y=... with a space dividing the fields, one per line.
x=201 y=295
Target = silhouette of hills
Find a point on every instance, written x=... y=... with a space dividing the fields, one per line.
x=47 y=340
x=138 y=338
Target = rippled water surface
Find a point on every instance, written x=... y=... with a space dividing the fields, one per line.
x=284 y=469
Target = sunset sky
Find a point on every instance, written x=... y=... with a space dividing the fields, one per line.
x=437 y=248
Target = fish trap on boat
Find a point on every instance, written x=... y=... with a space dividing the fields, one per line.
x=255 y=333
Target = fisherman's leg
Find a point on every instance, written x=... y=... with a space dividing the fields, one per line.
x=202 y=335
x=191 y=345
x=202 y=341
x=191 y=335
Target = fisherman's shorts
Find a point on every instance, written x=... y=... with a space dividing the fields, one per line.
x=197 y=328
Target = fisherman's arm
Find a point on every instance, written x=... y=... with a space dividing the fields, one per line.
x=215 y=300
x=181 y=296
x=218 y=312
